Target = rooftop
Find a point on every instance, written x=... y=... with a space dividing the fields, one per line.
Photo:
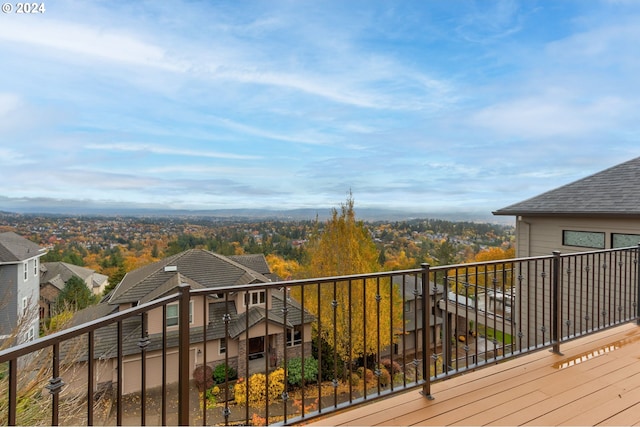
x=614 y=191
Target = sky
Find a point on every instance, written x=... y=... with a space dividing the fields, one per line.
x=427 y=106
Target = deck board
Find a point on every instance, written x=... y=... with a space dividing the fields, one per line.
x=528 y=390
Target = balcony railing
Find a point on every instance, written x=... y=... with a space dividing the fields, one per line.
x=369 y=335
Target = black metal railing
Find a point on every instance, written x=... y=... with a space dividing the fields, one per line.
x=293 y=350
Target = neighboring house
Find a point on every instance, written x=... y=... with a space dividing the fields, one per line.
x=600 y=211
x=410 y=288
x=200 y=269
x=53 y=277
x=19 y=287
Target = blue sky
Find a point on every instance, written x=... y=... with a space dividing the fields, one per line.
x=430 y=106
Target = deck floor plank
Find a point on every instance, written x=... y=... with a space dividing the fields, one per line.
x=528 y=390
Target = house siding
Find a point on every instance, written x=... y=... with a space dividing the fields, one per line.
x=538 y=236
x=9 y=306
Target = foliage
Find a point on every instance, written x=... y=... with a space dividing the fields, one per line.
x=285 y=269
x=276 y=384
x=221 y=370
x=202 y=376
x=294 y=370
x=366 y=374
x=59 y=321
x=75 y=295
x=473 y=280
x=210 y=396
x=257 y=388
x=323 y=351
x=391 y=365
x=385 y=377
x=345 y=247
x=257 y=420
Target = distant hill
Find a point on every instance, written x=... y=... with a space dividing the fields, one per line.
x=73 y=207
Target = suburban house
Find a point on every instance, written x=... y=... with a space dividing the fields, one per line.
x=410 y=288
x=200 y=269
x=601 y=211
x=53 y=277
x=19 y=287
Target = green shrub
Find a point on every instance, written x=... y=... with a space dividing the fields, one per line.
x=219 y=373
x=294 y=370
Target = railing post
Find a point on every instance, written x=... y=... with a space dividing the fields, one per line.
x=426 y=332
x=183 y=356
x=556 y=306
x=638 y=285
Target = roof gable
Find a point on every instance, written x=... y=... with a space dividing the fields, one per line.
x=195 y=266
x=14 y=248
x=612 y=192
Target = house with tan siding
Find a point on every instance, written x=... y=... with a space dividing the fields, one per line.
x=199 y=269
x=601 y=211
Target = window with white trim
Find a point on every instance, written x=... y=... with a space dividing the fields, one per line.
x=223 y=346
x=31 y=334
x=255 y=298
x=173 y=314
x=25 y=306
x=35 y=267
x=25 y=268
x=294 y=336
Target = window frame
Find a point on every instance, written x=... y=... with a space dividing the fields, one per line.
x=613 y=236
x=177 y=316
x=260 y=296
x=25 y=267
x=25 y=306
x=584 y=244
x=294 y=336
x=222 y=345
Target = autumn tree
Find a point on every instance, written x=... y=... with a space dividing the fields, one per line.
x=343 y=246
x=285 y=269
x=497 y=276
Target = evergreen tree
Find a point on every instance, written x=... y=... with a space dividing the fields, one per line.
x=75 y=295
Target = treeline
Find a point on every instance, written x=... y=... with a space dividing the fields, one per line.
x=126 y=244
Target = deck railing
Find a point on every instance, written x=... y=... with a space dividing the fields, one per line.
x=369 y=335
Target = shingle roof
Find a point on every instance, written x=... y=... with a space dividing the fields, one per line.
x=53 y=272
x=14 y=247
x=256 y=262
x=611 y=192
x=195 y=266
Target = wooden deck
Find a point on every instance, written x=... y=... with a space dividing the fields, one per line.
x=596 y=381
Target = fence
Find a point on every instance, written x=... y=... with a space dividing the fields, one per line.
x=308 y=347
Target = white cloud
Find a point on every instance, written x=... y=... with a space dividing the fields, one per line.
x=165 y=150
x=71 y=38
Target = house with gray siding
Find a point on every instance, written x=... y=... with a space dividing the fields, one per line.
x=19 y=287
